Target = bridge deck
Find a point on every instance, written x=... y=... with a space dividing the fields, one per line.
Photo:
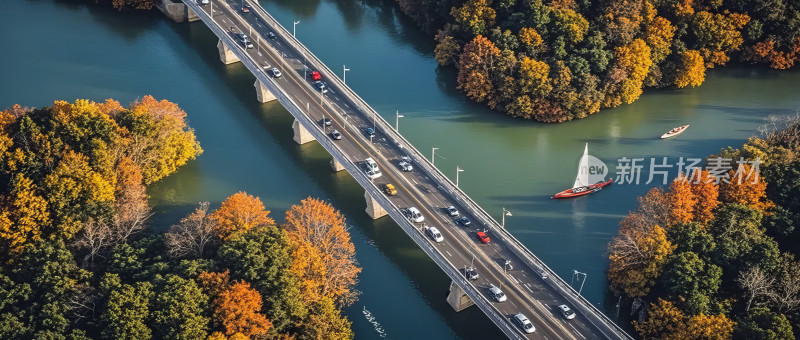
x=425 y=188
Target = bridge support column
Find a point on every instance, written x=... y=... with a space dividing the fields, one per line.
x=457 y=298
x=301 y=135
x=263 y=94
x=191 y=15
x=374 y=209
x=225 y=54
x=336 y=166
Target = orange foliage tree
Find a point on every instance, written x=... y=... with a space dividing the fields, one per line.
x=706 y=194
x=324 y=255
x=240 y=213
x=681 y=200
x=473 y=72
x=236 y=306
x=748 y=191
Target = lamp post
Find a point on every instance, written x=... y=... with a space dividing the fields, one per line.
x=344 y=74
x=397 y=116
x=294 y=28
x=505 y=213
x=433 y=155
x=577 y=274
x=458 y=171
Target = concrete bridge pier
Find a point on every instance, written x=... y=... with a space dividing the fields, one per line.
x=225 y=54
x=374 y=209
x=263 y=94
x=191 y=15
x=457 y=298
x=336 y=166
x=301 y=135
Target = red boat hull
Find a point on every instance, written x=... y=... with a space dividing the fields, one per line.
x=575 y=192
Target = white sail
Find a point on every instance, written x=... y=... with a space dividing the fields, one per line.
x=582 y=179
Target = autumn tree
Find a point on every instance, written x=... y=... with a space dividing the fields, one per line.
x=193 y=235
x=682 y=200
x=691 y=70
x=324 y=255
x=474 y=77
x=745 y=187
x=534 y=77
x=446 y=50
x=159 y=140
x=665 y=321
x=636 y=257
x=240 y=213
x=716 y=35
x=658 y=34
x=706 y=193
x=237 y=308
x=475 y=16
x=131 y=209
x=631 y=65
x=652 y=210
x=22 y=215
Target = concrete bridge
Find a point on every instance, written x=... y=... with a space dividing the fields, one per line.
x=530 y=286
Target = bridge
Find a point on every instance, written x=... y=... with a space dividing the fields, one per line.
x=531 y=287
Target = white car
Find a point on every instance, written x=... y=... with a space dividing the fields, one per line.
x=406 y=166
x=496 y=293
x=373 y=174
x=276 y=73
x=452 y=211
x=522 y=321
x=434 y=234
x=203 y=2
x=370 y=164
x=414 y=215
x=567 y=312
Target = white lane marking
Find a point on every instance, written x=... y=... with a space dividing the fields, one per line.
x=528 y=288
x=576 y=330
x=448 y=253
x=514 y=278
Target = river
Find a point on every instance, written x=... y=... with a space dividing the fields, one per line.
x=60 y=49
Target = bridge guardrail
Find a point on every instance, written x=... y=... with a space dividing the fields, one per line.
x=533 y=261
x=453 y=272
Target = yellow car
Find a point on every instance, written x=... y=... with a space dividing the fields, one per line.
x=389 y=189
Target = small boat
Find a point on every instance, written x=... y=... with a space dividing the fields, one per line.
x=582 y=184
x=674 y=132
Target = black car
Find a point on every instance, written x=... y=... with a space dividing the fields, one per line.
x=370 y=132
x=335 y=134
x=320 y=86
x=471 y=273
x=326 y=122
x=463 y=220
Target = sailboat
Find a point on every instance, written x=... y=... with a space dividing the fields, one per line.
x=583 y=185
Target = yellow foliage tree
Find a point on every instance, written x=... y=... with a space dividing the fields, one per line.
x=476 y=16
x=636 y=257
x=534 y=77
x=691 y=70
x=631 y=65
x=324 y=255
x=658 y=34
x=240 y=213
x=22 y=215
x=665 y=321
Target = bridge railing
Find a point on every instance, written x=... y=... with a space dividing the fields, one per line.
x=473 y=292
x=532 y=260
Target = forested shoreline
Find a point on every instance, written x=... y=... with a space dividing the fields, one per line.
x=715 y=258
x=78 y=260
x=558 y=60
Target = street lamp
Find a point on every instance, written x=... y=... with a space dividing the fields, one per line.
x=505 y=213
x=344 y=74
x=294 y=28
x=577 y=274
x=458 y=171
x=433 y=155
x=397 y=120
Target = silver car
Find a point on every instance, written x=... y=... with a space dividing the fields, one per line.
x=566 y=312
x=522 y=321
x=496 y=293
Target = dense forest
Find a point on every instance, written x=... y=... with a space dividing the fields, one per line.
x=715 y=257
x=564 y=59
x=78 y=260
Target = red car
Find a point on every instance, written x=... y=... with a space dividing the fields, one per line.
x=315 y=76
x=482 y=236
